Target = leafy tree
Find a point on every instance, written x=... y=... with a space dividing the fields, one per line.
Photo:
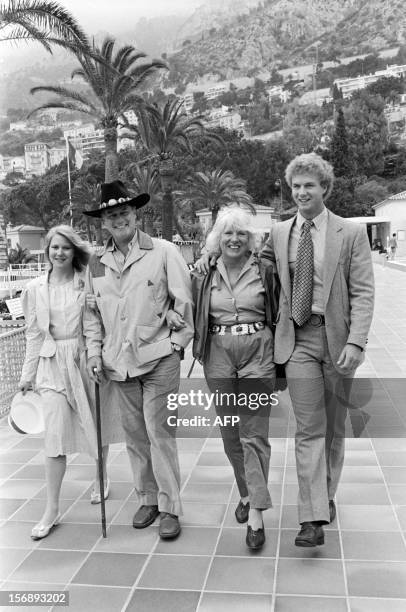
x=339 y=147
x=46 y=22
x=389 y=88
x=367 y=132
x=114 y=88
x=368 y=194
x=298 y=139
x=41 y=200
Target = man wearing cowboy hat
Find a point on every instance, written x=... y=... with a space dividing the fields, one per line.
x=135 y=280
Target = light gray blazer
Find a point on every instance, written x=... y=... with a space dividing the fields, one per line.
x=35 y=303
x=348 y=286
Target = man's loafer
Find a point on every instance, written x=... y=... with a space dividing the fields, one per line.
x=255 y=538
x=310 y=534
x=332 y=510
x=145 y=516
x=242 y=511
x=169 y=526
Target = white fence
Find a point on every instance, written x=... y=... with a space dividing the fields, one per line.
x=17 y=276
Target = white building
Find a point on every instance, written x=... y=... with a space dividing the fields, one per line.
x=56 y=155
x=12 y=164
x=188 y=102
x=394 y=209
x=319 y=96
x=85 y=139
x=262 y=221
x=277 y=91
x=222 y=117
x=131 y=117
x=348 y=86
x=36 y=158
x=17 y=126
x=215 y=91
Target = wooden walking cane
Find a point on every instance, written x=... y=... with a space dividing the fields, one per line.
x=100 y=458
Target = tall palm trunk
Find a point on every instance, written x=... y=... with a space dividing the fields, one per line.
x=166 y=172
x=214 y=213
x=110 y=144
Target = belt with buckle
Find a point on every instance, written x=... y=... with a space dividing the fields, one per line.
x=240 y=329
x=316 y=320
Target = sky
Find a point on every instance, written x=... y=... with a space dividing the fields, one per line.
x=113 y=16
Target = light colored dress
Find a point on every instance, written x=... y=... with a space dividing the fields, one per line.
x=69 y=424
x=56 y=360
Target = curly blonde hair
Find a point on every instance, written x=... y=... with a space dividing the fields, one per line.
x=311 y=163
x=236 y=218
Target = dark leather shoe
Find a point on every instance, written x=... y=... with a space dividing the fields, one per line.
x=255 y=539
x=310 y=534
x=241 y=512
x=169 y=527
x=332 y=510
x=145 y=516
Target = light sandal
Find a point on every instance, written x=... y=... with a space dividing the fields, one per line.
x=95 y=497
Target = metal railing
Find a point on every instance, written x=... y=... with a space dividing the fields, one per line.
x=12 y=353
x=17 y=276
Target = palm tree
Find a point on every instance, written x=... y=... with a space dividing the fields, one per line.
x=18 y=255
x=41 y=20
x=85 y=196
x=115 y=83
x=146 y=180
x=163 y=130
x=215 y=189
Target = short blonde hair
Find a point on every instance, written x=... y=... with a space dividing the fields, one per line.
x=236 y=218
x=80 y=248
x=311 y=163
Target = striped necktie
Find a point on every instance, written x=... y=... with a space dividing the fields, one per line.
x=302 y=293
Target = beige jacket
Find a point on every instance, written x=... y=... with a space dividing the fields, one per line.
x=35 y=303
x=348 y=286
x=130 y=330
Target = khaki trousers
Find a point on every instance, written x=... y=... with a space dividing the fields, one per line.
x=319 y=397
x=242 y=365
x=151 y=444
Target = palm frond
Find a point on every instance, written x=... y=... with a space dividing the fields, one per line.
x=46 y=21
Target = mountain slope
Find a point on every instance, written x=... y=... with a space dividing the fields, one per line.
x=283 y=30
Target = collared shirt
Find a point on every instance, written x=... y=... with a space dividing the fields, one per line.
x=318 y=234
x=244 y=303
x=119 y=255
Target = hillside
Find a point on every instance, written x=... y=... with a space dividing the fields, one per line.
x=282 y=31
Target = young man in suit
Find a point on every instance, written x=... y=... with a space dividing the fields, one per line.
x=325 y=312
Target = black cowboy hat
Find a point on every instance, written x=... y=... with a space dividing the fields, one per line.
x=115 y=194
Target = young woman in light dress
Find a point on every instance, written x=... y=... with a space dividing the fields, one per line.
x=54 y=365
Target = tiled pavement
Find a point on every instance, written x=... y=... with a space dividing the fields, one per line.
x=361 y=568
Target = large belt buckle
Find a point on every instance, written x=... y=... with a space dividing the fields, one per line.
x=239 y=330
x=215 y=328
x=316 y=320
x=258 y=325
